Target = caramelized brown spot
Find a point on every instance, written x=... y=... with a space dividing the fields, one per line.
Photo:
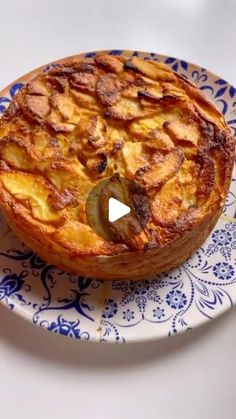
x=37 y=105
x=88 y=67
x=108 y=89
x=126 y=110
x=61 y=127
x=67 y=70
x=4 y=166
x=158 y=139
x=117 y=146
x=37 y=87
x=153 y=176
x=58 y=83
x=97 y=165
x=12 y=111
x=84 y=81
x=102 y=164
x=61 y=200
x=152 y=95
x=149 y=69
x=109 y=63
x=166 y=205
x=206 y=177
x=187 y=131
x=184 y=222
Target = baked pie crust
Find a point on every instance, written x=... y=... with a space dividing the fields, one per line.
x=86 y=119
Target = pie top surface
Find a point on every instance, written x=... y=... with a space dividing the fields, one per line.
x=84 y=121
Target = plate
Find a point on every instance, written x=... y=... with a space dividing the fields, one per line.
x=125 y=311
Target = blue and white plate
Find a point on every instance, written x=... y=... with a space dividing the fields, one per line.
x=125 y=311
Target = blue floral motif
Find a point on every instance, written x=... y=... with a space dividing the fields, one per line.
x=90 y=54
x=223 y=270
x=139 y=287
x=15 y=89
x=110 y=333
x=159 y=312
x=199 y=76
x=222 y=90
x=222 y=237
x=11 y=284
x=67 y=328
x=128 y=315
x=217 y=92
x=140 y=292
x=115 y=52
x=110 y=309
x=76 y=301
x=176 y=299
x=224 y=241
x=50 y=67
x=220 y=82
x=177 y=64
x=231 y=199
x=4 y=101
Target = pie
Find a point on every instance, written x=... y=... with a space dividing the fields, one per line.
x=86 y=120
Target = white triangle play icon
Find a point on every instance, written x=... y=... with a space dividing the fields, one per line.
x=116 y=210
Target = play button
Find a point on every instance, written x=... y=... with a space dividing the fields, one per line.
x=117 y=209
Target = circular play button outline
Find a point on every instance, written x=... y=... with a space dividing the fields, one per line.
x=117 y=209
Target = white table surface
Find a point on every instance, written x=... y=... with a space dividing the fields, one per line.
x=43 y=375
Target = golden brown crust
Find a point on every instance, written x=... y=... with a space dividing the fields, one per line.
x=84 y=120
x=108 y=89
